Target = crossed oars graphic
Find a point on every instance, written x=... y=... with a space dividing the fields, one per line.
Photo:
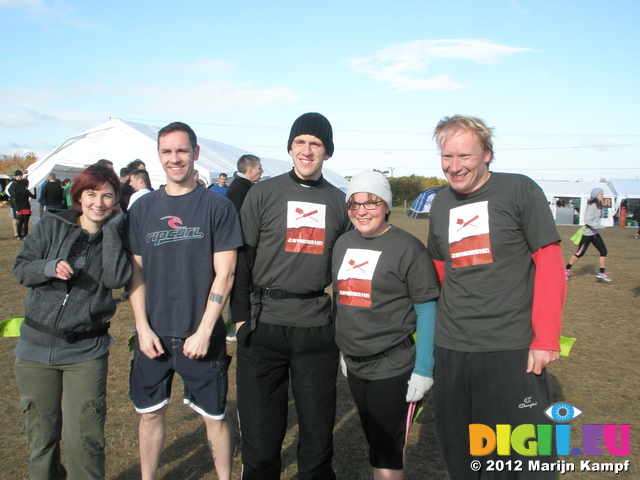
x=464 y=224
x=354 y=266
x=305 y=215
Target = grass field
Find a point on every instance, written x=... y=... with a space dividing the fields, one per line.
x=600 y=377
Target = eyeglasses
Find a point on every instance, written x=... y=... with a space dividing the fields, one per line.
x=370 y=205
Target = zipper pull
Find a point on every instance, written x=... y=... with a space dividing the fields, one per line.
x=66 y=297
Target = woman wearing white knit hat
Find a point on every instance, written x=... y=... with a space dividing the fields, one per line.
x=385 y=289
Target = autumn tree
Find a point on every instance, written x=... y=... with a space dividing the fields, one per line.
x=17 y=161
x=408 y=188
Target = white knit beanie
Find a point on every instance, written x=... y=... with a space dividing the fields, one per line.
x=370 y=182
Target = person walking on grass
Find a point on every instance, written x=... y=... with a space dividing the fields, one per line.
x=591 y=235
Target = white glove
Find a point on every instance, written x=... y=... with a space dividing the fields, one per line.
x=343 y=365
x=418 y=386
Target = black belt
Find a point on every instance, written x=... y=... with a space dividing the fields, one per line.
x=274 y=294
x=67 y=335
x=407 y=342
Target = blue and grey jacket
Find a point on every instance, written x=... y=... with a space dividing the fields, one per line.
x=85 y=305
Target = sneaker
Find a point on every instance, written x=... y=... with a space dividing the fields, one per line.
x=637 y=236
x=567 y=272
x=231 y=336
x=603 y=276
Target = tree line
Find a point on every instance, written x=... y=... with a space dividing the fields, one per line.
x=406 y=189
x=16 y=161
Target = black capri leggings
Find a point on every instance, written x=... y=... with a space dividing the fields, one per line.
x=597 y=242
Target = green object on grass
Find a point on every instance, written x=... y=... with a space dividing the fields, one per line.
x=418 y=410
x=565 y=345
x=11 y=327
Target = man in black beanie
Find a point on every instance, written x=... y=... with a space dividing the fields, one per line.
x=290 y=224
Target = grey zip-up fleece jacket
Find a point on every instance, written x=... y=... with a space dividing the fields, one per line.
x=592 y=219
x=87 y=305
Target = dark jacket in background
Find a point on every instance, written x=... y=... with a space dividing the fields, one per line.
x=238 y=190
x=20 y=195
x=126 y=191
x=52 y=195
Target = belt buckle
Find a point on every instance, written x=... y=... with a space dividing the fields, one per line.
x=265 y=292
x=71 y=337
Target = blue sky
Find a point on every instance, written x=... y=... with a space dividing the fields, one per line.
x=557 y=79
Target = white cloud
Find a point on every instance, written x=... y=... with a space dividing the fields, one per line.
x=25 y=99
x=215 y=97
x=55 y=103
x=60 y=13
x=219 y=96
x=404 y=66
x=37 y=6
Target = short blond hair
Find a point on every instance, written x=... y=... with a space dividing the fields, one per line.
x=449 y=125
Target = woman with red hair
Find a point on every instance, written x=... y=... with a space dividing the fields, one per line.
x=71 y=261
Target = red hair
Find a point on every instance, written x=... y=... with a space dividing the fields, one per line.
x=94 y=177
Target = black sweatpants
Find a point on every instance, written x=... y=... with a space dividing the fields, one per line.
x=266 y=360
x=489 y=388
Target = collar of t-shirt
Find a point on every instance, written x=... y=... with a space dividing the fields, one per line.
x=306 y=183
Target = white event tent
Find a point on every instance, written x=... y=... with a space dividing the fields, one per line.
x=626 y=189
x=574 y=196
x=121 y=142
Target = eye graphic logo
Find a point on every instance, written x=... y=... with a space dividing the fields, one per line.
x=562 y=412
x=174 y=222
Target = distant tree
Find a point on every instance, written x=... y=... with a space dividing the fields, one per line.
x=408 y=188
x=384 y=172
x=432 y=182
x=16 y=161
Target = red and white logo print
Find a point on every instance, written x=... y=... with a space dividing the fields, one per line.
x=174 y=222
x=305 y=227
x=469 y=236
x=356 y=275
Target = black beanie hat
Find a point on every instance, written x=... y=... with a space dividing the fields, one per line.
x=313 y=124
